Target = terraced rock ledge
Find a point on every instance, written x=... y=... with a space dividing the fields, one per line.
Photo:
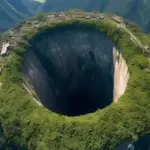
x=86 y=70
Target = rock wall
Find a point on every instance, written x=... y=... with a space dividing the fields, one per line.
x=36 y=79
x=75 y=71
x=71 y=70
x=121 y=75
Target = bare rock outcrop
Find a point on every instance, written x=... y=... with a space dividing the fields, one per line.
x=121 y=75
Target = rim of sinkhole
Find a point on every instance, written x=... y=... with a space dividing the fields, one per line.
x=116 y=117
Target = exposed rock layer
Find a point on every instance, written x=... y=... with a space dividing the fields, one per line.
x=121 y=75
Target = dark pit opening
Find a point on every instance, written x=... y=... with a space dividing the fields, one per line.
x=71 y=70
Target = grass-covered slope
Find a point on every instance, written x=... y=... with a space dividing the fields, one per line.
x=25 y=123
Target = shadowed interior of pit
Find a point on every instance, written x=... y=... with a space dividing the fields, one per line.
x=71 y=70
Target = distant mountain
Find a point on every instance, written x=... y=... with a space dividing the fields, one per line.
x=135 y=10
x=59 y=5
x=22 y=6
x=12 y=11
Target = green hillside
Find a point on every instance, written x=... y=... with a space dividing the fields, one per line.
x=27 y=125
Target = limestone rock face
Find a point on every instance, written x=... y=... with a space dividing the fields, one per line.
x=121 y=75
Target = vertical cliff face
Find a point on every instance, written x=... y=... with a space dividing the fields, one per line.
x=37 y=79
x=121 y=75
x=71 y=70
x=75 y=71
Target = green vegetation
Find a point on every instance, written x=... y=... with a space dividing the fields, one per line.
x=29 y=125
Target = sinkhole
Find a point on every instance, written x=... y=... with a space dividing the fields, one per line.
x=71 y=70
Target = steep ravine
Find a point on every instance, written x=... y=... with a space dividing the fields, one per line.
x=74 y=71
